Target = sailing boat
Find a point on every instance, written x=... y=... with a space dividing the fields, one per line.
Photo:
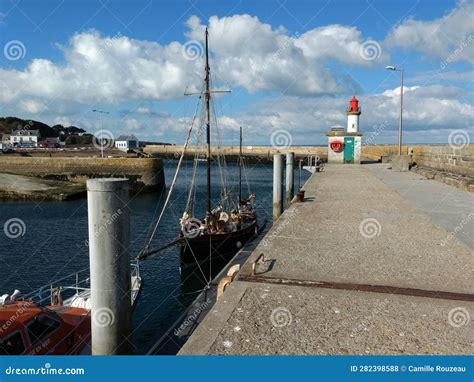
x=227 y=226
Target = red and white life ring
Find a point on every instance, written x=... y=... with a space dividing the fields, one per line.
x=337 y=146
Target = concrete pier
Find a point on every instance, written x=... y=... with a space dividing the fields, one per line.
x=109 y=242
x=367 y=265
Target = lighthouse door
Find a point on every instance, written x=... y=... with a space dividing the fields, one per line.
x=348 y=149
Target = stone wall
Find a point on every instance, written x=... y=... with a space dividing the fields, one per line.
x=439 y=157
x=376 y=152
x=260 y=151
x=143 y=172
x=447 y=158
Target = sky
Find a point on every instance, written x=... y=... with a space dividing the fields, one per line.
x=292 y=67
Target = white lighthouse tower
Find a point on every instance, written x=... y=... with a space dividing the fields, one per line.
x=353 y=113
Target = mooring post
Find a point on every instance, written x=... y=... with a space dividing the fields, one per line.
x=277 y=186
x=290 y=178
x=109 y=240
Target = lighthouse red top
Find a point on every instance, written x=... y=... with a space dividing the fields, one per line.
x=353 y=105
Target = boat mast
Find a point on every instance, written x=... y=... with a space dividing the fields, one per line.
x=207 y=96
x=240 y=166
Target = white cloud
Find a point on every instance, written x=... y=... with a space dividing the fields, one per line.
x=65 y=121
x=439 y=76
x=143 y=110
x=252 y=54
x=246 y=52
x=113 y=70
x=132 y=124
x=32 y=107
x=449 y=37
x=103 y=69
x=430 y=113
x=341 y=43
x=434 y=109
x=396 y=91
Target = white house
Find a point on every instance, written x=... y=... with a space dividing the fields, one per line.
x=5 y=143
x=25 y=138
x=126 y=142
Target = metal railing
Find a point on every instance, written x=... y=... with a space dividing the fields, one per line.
x=72 y=285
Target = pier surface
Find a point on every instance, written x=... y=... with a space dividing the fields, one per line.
x=374 y=262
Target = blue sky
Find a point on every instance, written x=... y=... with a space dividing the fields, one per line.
x=291 y=65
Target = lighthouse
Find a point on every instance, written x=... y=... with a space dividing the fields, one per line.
x=353 y=112
x=346 y=146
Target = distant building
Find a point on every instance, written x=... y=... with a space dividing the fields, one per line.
x=5 y=141
x=25 y=138
x=50 y=142
x=127 y=142
x=346 y=146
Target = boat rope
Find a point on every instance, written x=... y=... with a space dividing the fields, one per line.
x=168 y=197
x=244 y=168
x=208 y=282
x=221 y=162
x=192 y=190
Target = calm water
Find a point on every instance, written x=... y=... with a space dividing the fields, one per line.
x=54 y=244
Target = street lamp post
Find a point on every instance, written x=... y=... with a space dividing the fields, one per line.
x=101 y=112
x=400 y=125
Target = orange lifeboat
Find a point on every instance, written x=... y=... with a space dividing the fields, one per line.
x=28 y=328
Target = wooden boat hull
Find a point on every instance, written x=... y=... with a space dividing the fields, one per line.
x=218 y=246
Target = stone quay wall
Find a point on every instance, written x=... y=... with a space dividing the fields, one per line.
x=144 y=173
